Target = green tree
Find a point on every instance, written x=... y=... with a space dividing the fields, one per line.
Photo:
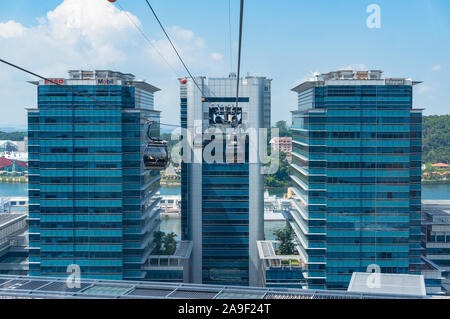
x=170 y=244
x=286 y=238
x=281 y=177
x=283 y=129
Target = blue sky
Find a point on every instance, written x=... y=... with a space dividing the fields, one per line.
x=285 y=40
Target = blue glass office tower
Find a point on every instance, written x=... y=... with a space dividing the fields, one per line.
x=356 y=176
x=223 y=203
x=91 y=201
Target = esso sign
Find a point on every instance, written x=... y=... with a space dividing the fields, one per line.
x=53 y=81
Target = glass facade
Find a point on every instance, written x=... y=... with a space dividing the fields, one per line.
x=225 y=218
x=356 y=177
x=91 y=202
x=284 y=277
x=222 y=201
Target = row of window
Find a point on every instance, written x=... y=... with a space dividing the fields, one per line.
x=83 y=135
x=361 y=195
x=358 y=120
x=82 y=150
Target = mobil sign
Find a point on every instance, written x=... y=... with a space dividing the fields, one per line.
x=106 y=81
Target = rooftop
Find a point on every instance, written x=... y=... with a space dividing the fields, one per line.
x=5 y=162
x=347 y=77
x=99 y=77
x=436 y=212
x=392 y=284
x=99 y=74
x=440 y=165
x=46 y=287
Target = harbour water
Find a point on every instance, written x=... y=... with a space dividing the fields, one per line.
x=436 y=191
x=13 y=190
x=429 y=191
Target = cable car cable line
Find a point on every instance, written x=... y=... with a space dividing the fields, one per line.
x=241 y=18
x=69 y=88
x=55 y=83
x=173 y=46
x=230 y=34
x=148 y=39
x=156 y=154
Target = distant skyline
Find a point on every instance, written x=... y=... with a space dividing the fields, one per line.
x=285 y=40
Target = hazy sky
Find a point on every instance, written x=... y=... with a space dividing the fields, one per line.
x=286 y=40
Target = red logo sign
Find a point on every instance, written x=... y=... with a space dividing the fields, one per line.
x=53 y=81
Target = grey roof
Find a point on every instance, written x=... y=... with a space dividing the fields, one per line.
x=436 y=212
x=266 y=250
x=305 y=86
x=441 y=207
x=183 y=251
x=392 y=284
x=7 y=218
x=46 y=287
x=146 y=86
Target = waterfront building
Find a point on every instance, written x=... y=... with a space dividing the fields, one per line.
x=11 y=165
x=436 y=240
x=356 y=176
x=14 y=244
x=398 y=284
x=13 y=205
x=8 y=146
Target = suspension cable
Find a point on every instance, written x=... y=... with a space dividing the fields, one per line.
x=55 y=83
x=173 y=47
x=241 y=18
x=229 y=31
x=147 y=39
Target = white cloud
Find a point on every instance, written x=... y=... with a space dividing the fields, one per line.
x=77 y=33
x=93 y=34
x=436 y=68
x=11 y=29
x=95 y=21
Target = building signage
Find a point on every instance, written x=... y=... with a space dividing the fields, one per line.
x=53 y=81
x=395 y=81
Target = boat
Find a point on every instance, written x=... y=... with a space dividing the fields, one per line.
x=170 y=206
x=274 y=207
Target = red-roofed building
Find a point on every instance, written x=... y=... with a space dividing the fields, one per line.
x=441 y=165
x=10 y=165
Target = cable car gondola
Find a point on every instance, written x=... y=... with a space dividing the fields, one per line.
x=156 y=154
